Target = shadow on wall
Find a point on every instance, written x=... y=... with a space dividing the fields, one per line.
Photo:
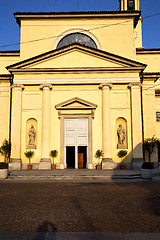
x=137 y=162
x=46 y=230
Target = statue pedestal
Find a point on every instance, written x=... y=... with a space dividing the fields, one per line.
x=121 y=146
x=31 y=146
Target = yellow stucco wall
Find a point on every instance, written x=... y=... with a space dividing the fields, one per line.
x=118 y=39
x=5 y=112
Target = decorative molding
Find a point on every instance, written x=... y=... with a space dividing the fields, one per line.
x=45 y=85
x=138 y=84
x=83 y=105
x=66 y=104
x=102 y=85
x=18 y=86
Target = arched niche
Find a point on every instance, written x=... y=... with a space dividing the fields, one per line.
x=31 y=133
x=121 y=133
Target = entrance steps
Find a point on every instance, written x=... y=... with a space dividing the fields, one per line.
x=68 y=174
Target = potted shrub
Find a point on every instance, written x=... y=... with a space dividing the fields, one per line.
x=53 y=154
x=99 y=155
x=149 y=145
x=121 y=154
x=29 y=154
x=3 y=170
x=5 y=150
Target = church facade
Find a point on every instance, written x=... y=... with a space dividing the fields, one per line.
x=82 y=81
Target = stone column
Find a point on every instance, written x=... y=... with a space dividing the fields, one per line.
x=16 y=127
x=45 y=162
x=136 y=119
x=106 y=126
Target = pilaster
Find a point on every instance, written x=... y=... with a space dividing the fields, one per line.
x=16 y=126
x=45 y=157
x=106 y=121
x=136 y=120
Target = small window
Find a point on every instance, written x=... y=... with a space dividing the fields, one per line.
x=77 y=38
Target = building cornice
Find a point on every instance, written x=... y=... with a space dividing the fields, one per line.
x=10 y=53
x=92 y=14
x=147 y=51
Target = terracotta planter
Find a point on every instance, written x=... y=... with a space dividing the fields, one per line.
x=53 y=166
x=29 y=167
x=98 y=166
x=123 y=166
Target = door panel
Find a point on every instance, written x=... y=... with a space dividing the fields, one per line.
x=76 y=134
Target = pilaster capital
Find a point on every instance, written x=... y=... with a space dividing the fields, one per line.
x=18 y=86
x=102 y=85
x=45 y=85
x=135 y=84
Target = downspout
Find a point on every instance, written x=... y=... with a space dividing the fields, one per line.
x=142 y=116
x=10 y=112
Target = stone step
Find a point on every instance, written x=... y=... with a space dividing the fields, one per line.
x=135 y=176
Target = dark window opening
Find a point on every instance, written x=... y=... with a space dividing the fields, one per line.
x=131 y=5
x=76 y=38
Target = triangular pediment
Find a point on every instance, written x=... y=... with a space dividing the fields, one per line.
x=75 y=104
x=76 y=57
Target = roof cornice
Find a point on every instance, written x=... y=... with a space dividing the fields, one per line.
x=148 y=51
x=91 y=14
x=10 y=53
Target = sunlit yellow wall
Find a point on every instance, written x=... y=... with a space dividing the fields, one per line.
x=6 y=61
x=5 y=112
x=120 y=108
x=151 y=59
x=114 y=38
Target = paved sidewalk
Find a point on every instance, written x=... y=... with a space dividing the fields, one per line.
x=79 y=174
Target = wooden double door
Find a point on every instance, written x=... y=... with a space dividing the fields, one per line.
x=76 y=142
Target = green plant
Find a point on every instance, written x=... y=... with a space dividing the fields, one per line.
x=99 y=154
x=121 y=154
x=3 y=165
x=149 y=144
x=53 y=154
x=29 y=154
x=5 y=150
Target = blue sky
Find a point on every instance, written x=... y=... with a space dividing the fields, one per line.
x=9 y=29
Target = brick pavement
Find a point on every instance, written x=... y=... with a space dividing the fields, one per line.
x=79 y=207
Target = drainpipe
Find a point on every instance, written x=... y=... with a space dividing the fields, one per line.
x=10 y=111
x=142 y=115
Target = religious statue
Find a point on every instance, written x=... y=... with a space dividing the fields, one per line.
x=32 y=137
x=121 y=134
